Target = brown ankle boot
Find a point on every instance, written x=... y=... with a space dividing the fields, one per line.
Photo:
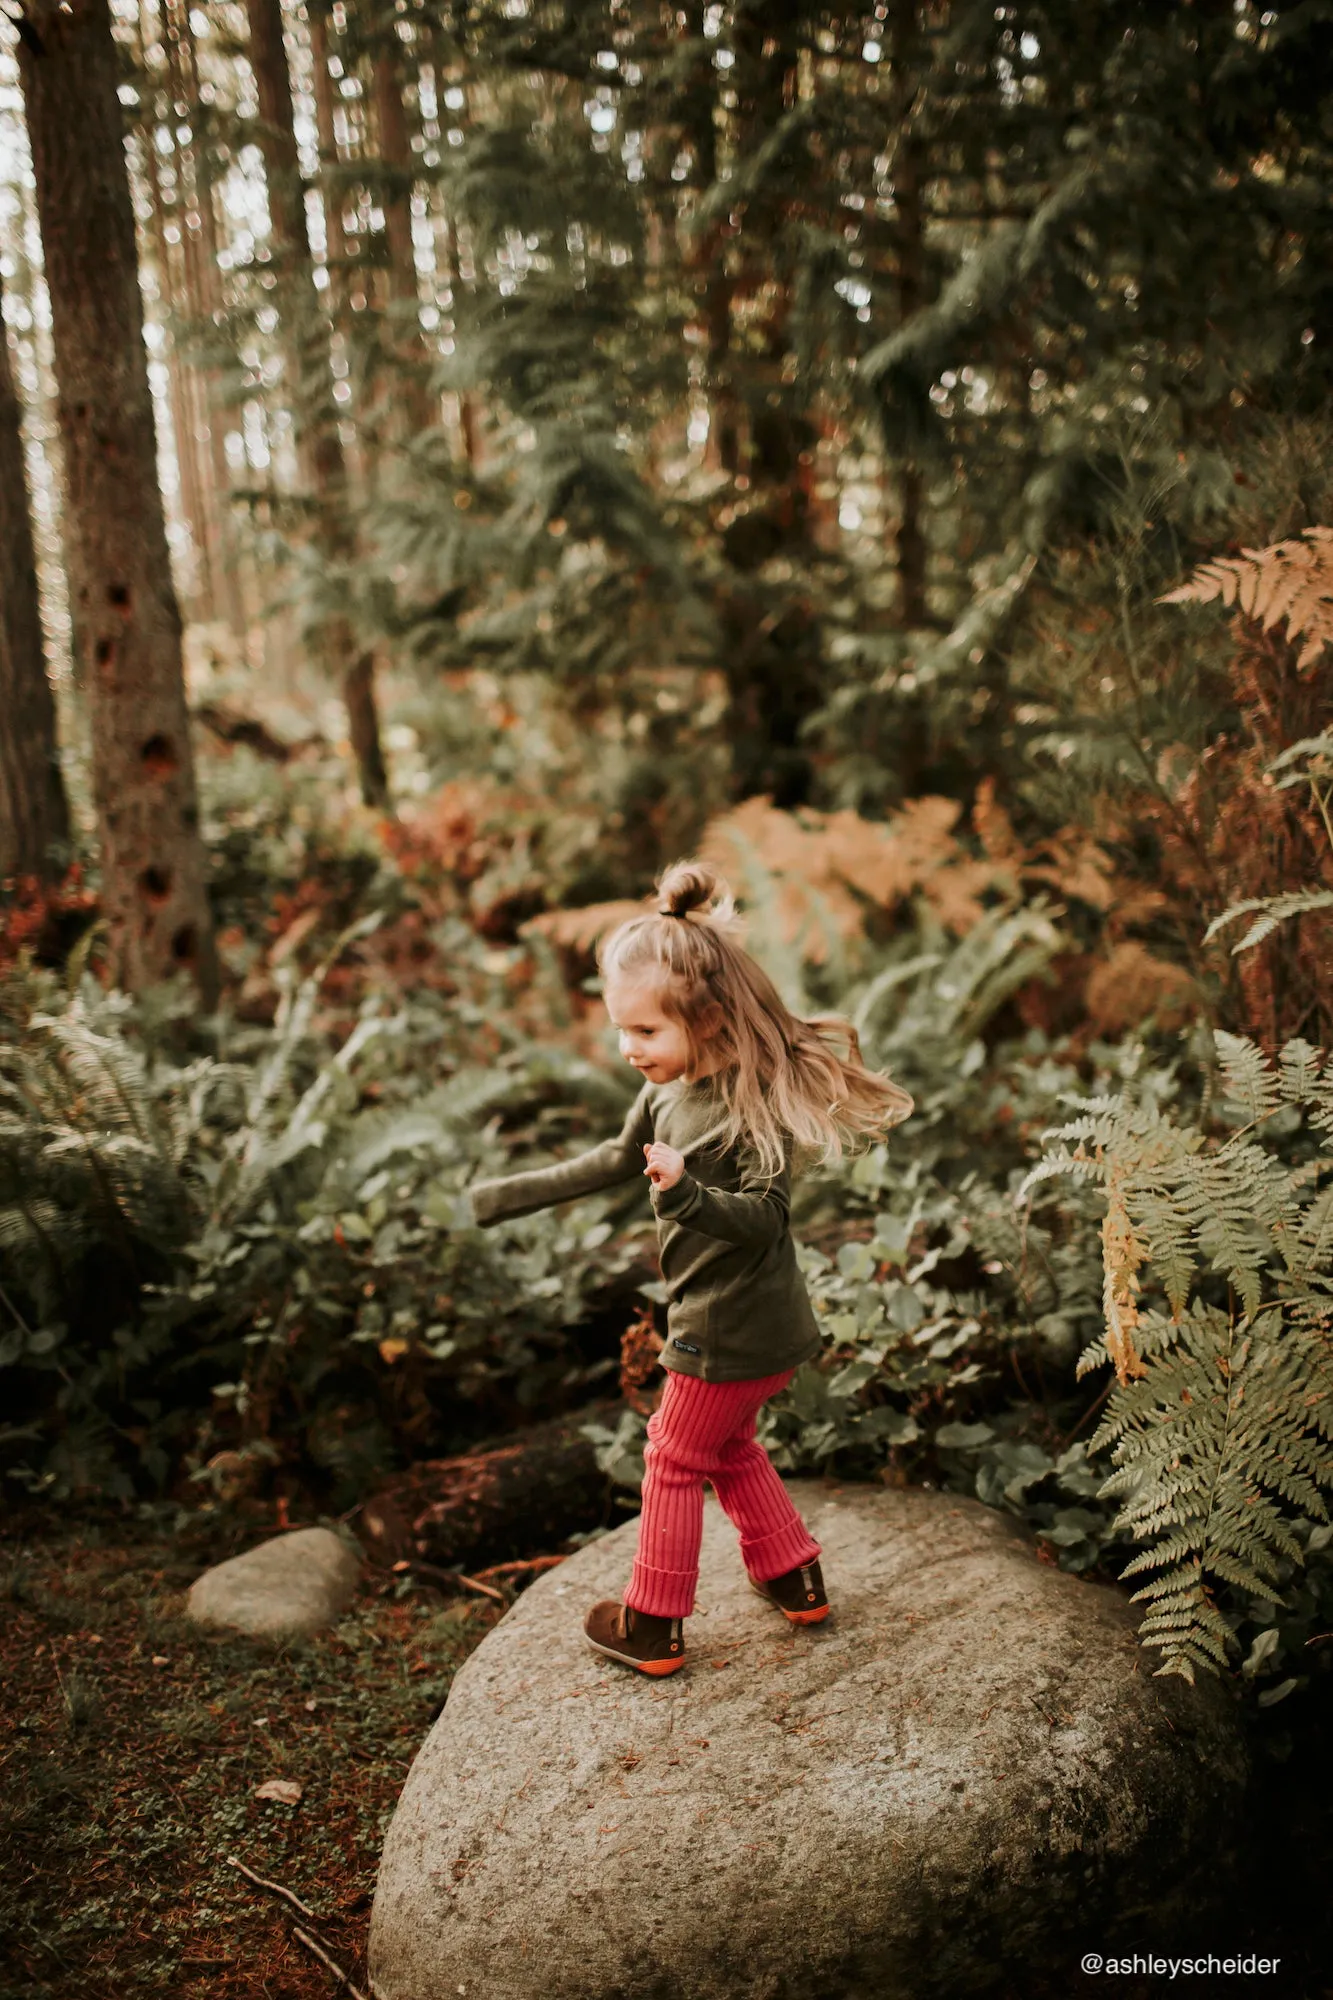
x=636 y=1638
x=799 y=1594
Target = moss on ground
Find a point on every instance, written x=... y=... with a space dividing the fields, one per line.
x=132 y=1746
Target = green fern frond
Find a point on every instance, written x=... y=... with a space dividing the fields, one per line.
x=1248 y=1075
x=1223 y=1444
x=1272 y=911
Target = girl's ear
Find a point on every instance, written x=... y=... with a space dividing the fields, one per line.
x=709 y=1021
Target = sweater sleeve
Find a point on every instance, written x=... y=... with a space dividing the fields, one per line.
x=754 y=1216
x=615 y=1160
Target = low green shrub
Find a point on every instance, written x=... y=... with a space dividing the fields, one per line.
x=237 y=1239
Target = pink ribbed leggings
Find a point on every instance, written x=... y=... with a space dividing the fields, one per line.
x=705 y=1430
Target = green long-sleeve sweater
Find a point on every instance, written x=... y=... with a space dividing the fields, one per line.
x=737 y=1307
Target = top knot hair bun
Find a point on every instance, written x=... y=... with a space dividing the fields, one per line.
x=686 y=886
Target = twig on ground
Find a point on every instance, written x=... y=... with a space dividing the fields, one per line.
x=274 y=1888
x=312 y=1945
x=452 y=1577
x=471 y=1583
x=513 y=1568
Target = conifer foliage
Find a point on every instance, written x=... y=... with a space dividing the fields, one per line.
x=1220 y=1425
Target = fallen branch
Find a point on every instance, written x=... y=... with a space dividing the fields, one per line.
x=274 y=1888
x=514 y=1568
x=453 y=1577
x=312 y=1945
x=497 y=1504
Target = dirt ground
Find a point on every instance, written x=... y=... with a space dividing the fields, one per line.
x=132 y=1747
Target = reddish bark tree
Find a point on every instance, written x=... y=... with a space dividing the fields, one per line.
x=126 y=620
x=414 y=409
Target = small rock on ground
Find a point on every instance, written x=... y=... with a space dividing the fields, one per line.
x=969 y=1761
x=287 y=1588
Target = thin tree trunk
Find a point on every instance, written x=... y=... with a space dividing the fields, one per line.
x=707 y=271
x=207 y=448
x=364 y=730
x=205 y=289
x=125 y=612
x=458 y=412
x=396 y=154
x=191 y=499
x=413 y=412
x=772 y=657
x=277 y=142
x=912 y=551
x=34 y=818
x=320 y=449
x=328 y=147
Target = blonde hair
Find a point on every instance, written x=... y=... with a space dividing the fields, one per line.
x=782 y=1081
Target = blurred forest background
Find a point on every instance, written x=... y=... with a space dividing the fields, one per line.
x=454 y=461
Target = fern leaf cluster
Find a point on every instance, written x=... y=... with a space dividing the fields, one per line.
x=1288 y=580
x=1220 y=1422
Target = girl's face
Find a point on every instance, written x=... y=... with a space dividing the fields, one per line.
x=649 y=1039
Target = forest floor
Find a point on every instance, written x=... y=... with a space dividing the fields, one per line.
x=133 y=1746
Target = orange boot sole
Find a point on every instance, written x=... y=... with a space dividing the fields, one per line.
x=793 y=1617
x=654 y=1667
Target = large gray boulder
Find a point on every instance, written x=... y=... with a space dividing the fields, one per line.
x=968 y=1760
x=287 y=1588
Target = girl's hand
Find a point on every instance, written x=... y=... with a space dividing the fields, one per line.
x=665 y=1166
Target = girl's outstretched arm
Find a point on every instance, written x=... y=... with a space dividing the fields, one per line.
x=754 y=1216
x=619 y=1159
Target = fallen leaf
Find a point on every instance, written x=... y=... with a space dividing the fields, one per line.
x=285 y=1790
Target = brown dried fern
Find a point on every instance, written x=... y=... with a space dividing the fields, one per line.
x=1122 y=1256
x=1291 y=580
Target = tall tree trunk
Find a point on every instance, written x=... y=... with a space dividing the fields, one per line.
x=363 y=727
x=204 y=287
x=907 y=177
x=328 y=147
x=198 y=590
x=706 y=265
x=193 y=299
x=412 y=411
x=125 y=613
x=324 y=467
x=458 y=409
x=772 y=656
x=34 y=818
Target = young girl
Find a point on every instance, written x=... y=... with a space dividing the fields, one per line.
x=735 y=1088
